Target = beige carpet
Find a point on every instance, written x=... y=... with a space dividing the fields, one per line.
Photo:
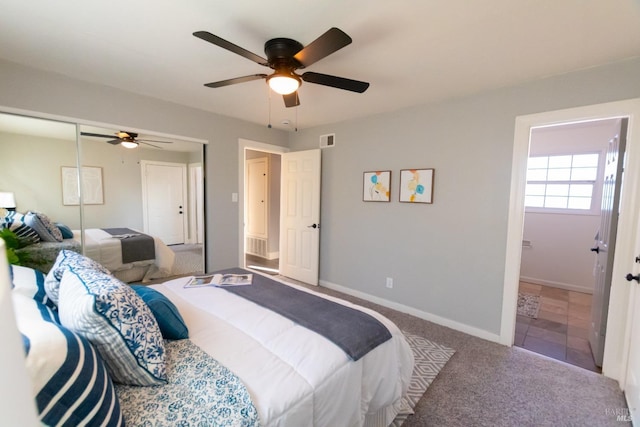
x=430 y=358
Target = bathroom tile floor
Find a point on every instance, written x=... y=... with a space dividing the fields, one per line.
x=561 y=329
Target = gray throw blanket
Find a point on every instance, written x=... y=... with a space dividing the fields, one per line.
x=135 y=246
x=352 y=330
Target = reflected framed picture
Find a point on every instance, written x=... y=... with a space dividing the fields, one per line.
x=416 y=185
x=376 y=186
x=92 y=191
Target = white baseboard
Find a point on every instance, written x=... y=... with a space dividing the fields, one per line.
x=461 y=327
x=560 y=285
x=273 y=255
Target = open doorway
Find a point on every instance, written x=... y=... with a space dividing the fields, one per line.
x=558 y=289
x=262 y=211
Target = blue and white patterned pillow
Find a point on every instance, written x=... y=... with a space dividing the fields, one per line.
x=30 y=283
x=117 y=322
x=47 y=231
x=14 y=221
x=70 y=383
x=67 y=259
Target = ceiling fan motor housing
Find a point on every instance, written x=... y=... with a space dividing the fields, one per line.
x=280 y=52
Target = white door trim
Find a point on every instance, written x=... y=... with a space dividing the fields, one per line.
x=616 y=345
x=243 y=145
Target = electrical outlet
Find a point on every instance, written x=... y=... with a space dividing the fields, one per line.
x=389 y=282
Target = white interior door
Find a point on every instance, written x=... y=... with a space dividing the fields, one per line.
x=257 y=193
x=300 y=216
x=164 y=187
x=607 y=240
x=632 y=388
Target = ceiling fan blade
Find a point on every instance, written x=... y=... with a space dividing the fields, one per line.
x=146 y=143
x=291 y=100
x=236 y=80
x=334 y=81
x=115 y=141
x=97 y=135
x=207 y=36
x=153 y=140
x=331 y=41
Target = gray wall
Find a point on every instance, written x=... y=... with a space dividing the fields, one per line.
x=446 y=259
x=49 y=93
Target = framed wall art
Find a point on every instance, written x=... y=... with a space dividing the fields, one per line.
x=92 y=191
x=416 y=185
x=377 y=186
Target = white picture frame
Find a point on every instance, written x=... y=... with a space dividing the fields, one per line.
x=92 y=187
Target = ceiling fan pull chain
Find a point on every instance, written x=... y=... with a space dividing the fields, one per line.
x=269 y=91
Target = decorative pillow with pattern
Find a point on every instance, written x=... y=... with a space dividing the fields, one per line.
x=65 y=260
x=14 y=221
x=30 y=283
x=45 y=228
x=117 y=322
x=70 y=383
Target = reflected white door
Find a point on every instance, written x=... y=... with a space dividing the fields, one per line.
x=632 y=387
x=300 y=216
x=164 y=187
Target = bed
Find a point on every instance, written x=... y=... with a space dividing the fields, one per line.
x=295 y=376
x=107 y=250
x=103 y=247
x=281 y=373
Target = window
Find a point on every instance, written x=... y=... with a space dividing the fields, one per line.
x=561 y=182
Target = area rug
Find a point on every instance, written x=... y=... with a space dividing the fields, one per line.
x=430 y=358
x=528 y=305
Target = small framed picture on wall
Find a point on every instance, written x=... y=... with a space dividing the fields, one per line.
x=377 y=186
x=416 y=185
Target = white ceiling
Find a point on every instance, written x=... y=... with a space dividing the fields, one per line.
x=411 y=51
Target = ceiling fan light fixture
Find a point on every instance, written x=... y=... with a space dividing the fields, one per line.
x=129 y=144
x=283 y=83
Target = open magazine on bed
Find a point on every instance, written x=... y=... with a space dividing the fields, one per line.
x=219 y=280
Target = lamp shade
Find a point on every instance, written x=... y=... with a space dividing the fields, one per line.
x=283 y=83
x=129 y=144
x=7 y=200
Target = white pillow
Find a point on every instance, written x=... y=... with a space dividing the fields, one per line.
x=67 y=259
x=117 y=322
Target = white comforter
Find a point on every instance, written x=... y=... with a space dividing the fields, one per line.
x=107 y=250
x=295 y=376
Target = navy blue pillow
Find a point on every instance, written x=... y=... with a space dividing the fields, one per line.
x=170 y=321
x=66 y=231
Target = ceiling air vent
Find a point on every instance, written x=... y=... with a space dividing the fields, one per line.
x=328 y=140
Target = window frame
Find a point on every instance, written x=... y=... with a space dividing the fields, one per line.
x=596 y=194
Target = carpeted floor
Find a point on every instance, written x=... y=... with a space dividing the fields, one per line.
x=487 y=384
x=429 y=358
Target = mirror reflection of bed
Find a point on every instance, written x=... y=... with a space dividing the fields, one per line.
x=38 y=153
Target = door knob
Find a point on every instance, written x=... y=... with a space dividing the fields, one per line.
x=596 y=249
x=313 y=226
x=631 y=277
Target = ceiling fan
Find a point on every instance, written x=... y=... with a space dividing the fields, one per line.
x=285 y=56
x=126 y=139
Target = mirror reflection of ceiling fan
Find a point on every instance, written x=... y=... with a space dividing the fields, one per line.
x=126 y=139
x=285 y=56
